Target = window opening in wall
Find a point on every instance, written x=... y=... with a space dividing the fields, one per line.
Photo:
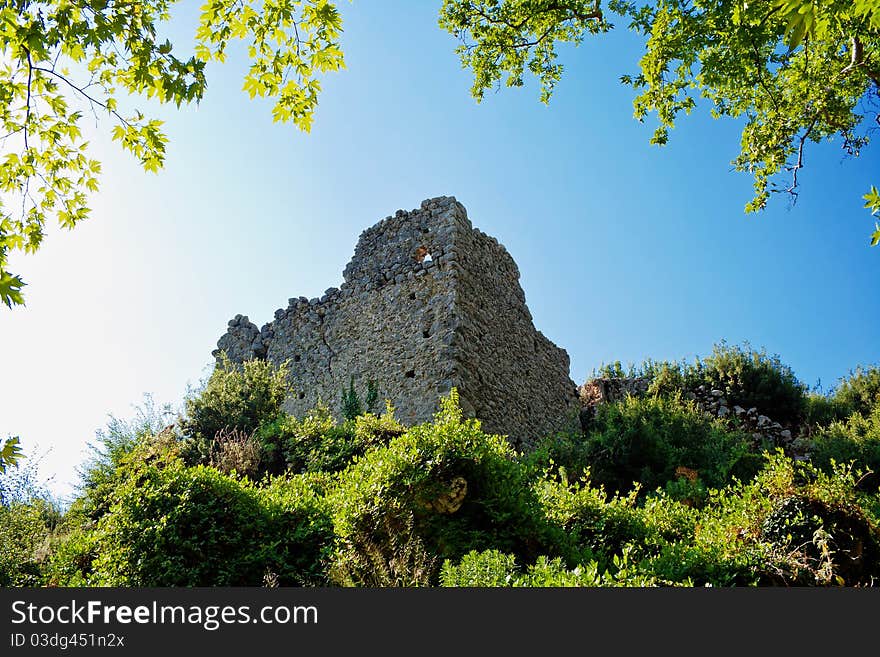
x=422 y=254
x=426 y=334
x=296 y=359
x=412 y=296
x=410 y=374
x=301 y=395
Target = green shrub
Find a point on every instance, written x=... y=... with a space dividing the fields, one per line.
x=820 y=517
x=856 y=440
x=718 y=544
x=371 y=398
x=860 y=391
x=146 y=450
x=240 y=397
x=792 y=525
x=747 y=377
x=351 y=402
x=492 y=568
x=372 y=430
x=194 y=526
x=25 y=528
x=74 y=551
x=315 y=443
x=821 y=410
x=656 y=540
x=119 y=438
x=837 y=542
x=563 y=455
x=298 y=540
x=870 y=503
x=489 y=568
x=652 y=441
x=461 y=487
x=593 y=525
x=615 y=370
x=393 y=554
x=750 y=378
x=668 y=379
x=546 y=572
x=599 y=527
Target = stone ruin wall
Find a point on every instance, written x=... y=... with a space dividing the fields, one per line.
x=516 y=380
x=419 y=326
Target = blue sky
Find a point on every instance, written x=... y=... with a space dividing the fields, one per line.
x=626 y=250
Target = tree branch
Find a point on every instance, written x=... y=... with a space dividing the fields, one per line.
x=27 y=115
x=81 y=91
x=856 y=59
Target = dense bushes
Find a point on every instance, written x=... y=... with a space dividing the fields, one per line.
x=318 y=444
x=119 y=438
x=25 y=528
x=860 y=391
x=447 y=485
x=747 y=377
x=101 y=482
x=753 y=378
x=236 y=423
x=792 y=525
x=856 y=440
x=654 y=441
x=601 y=527
x=239 y=397
x=173 y=525
x=493 y=568
x=313 y=444
x=656 y=493
x=821 y=410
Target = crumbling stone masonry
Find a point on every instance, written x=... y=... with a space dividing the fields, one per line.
x=429 y=302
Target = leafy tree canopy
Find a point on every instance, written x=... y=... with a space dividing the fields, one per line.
x=66 y=59
x=797 y=71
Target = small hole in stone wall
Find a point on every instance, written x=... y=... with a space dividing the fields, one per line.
x=296 y=359
x=412 y=296
x=426 y=334
x=410 y=374
x=301 y=395
x=422 y=254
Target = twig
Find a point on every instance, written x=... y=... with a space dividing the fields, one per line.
x=83 y=93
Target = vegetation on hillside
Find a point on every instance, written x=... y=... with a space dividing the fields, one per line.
x=656 y=492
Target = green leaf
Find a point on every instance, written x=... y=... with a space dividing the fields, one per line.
x=10 y=289
x=872 y=200
x=10 y=453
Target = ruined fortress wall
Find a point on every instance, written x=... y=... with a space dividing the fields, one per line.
x=427 y=303
x=517 y=380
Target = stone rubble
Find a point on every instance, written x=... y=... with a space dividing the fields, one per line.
x=713 y=402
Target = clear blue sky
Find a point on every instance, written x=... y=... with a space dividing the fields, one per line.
x=626 y=250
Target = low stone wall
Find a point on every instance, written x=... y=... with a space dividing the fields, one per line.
x=713 y=402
